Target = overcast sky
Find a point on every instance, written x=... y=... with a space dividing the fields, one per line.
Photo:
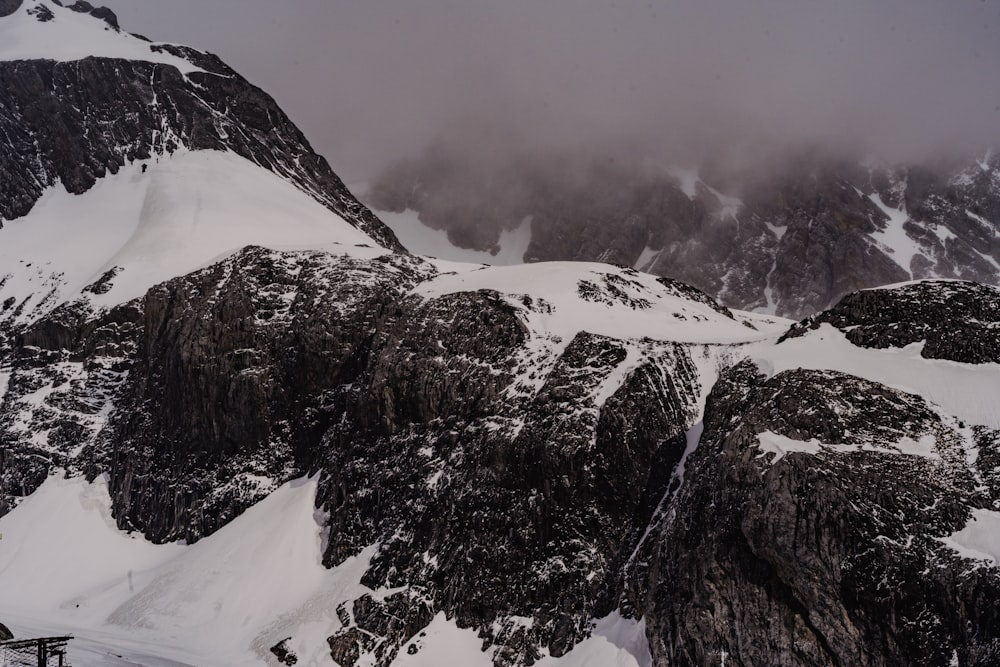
x=373 y=80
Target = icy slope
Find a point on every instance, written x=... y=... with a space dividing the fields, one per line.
x=222 y=602
x=602 y=299
x=40 y=30
x=154 y=221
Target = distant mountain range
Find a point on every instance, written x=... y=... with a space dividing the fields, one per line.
x=787 y=236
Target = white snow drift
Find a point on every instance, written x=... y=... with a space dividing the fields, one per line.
x=157 y=221
x=71 y=35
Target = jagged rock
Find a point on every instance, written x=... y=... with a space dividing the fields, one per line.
x=956 y=320
x=516 y=479
x=74 y=122
x=284 y=655
x=237 y=376
x=543 y=494
x=838 y=547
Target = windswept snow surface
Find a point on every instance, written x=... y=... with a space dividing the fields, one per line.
x=894 y=238
x=615 y=642
x=71 y=35
x=628 y=304
x=184 y=212
x=779 y=445
x=420 y=239
x=65 y=567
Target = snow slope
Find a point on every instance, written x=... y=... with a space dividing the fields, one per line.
x=156 y=221
x=71 y=35
x=420 y=239
x=626 y=304
x=66 y=568
x=967 y=391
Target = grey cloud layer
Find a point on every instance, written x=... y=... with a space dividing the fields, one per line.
x=374 y=80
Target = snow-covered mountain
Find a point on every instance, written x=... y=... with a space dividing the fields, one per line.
x=789 y=236
x=239 y=424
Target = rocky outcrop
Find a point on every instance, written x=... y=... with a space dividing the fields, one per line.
x=8 y=7
x=74 y=122
x=544 y=492
x=239 y=371
x=955 y=320
x=63 y=375
x=838 y=546
x=517 y=465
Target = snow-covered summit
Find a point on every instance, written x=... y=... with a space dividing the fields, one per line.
x=47 y=30
x=152 y=222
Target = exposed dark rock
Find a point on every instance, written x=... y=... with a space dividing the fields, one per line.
x=837 y=549
x=74 y=122
x=5 y=633
x=237 y=376
x=957 y=320
x=515 y=482
x=42 y=13
x=284 y=655
x=102 y=13
x=77 y=361
x=8 y=7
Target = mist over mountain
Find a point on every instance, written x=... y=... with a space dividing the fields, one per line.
x=372 y=83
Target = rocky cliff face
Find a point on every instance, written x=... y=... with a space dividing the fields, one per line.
x=959 y=321
x=74 y=122
x=790 y=238
x=841 y=547
x=526 y=484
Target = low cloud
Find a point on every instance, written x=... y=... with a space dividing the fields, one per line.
x=374 y=81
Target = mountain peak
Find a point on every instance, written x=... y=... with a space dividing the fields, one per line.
x=49 y=30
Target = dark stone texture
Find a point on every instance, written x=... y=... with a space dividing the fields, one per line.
x=959 y=320
x=284 y=655
x=75 y=122
x=8 y=7
x=237 y=374
x=830 y=558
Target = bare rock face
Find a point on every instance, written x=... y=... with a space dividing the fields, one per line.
x=63 y=374
x=523 y=482
x=956 y=320
x=74 y=122
x=8 y=7
x=236 y=377
x=839 y=547
x=495 y=504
